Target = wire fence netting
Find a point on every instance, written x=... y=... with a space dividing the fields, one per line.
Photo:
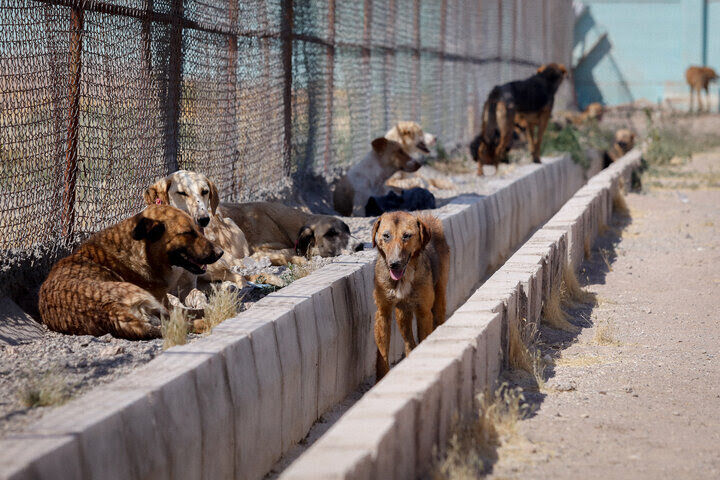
x=100 y=98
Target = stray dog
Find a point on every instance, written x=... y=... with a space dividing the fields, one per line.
x=594 y=111
x=116 y=282
x=527 y=103
x=624 y=142
x=411 y=274
x=409 y=200
x=699 y=78
x=391 y=153
x=196 y=195
x=288 y=235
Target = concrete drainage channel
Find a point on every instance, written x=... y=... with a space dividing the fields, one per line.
x=231 y=404
x=391 y=431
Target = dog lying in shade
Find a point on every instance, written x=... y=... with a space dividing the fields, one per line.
x=116 y=282
x=411 y=275
x=392 y=153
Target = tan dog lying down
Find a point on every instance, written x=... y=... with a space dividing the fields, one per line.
x=624 y=142
x=196 y=195
x=116 y=282
x=287 y=235
x=411 y=275
x=391 y=153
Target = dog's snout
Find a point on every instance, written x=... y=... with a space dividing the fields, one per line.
x=215 y=255
x=203 y=221
x=395 y=265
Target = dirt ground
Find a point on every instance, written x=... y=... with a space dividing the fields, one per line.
x=636 y=394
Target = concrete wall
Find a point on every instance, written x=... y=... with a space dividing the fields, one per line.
x=390 y=433
x=648 y=46
x=230 y=404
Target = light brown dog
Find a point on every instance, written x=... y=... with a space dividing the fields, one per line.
x=411 y=274
x=116 y=282
x=699 y=79
x=594 y=111
x=288 y=235
x=196 y=195
x=527 y=103
x=624 y=142
x=392 y=153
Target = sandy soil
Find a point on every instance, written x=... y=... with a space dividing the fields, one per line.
x=637 y=393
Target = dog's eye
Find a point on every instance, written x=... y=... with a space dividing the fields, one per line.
x=332 y=233
x=406 y=236
x=204 y=192
x=182 y=193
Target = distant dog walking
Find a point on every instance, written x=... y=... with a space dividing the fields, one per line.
x=699 y=79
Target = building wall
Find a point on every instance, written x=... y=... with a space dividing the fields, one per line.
x=646 y=48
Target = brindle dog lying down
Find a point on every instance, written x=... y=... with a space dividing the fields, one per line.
x=116 y=281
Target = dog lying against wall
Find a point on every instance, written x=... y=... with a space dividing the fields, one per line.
x=527 y=103
x=116 y=282
x=699 y=78
x=624 y=142
x=411 y=275
x=288 y=235
x=391 y=153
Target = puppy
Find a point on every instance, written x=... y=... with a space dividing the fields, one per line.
x=411 y=274
x=116 y=281
x=288 y=235
x=196 y=195
x=391 y=153
x=699 y=78
x=409 y=200
x=624 y=142
x=527 y=103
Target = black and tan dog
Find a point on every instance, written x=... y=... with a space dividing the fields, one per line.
x=527 y=103
x=116 y=282
x=411 y=274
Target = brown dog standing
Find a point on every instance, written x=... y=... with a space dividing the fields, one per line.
x=411 y=275
x=116 y=282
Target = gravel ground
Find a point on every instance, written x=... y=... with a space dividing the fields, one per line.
x=67 y=366
x=637 y=393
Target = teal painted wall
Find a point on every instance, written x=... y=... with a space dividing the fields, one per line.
x=646 y=49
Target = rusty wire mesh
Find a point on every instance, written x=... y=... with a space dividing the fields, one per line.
x=100 y=98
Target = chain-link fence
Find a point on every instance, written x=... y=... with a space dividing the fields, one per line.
x=100 y=98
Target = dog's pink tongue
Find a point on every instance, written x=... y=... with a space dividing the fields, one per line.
x=396 y=274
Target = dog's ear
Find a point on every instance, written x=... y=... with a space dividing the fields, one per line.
x=158 y=192
x=380 y=144
x=541 y=68
x=214 y=197
x=424 y=233
x=376 y=225
x=306 y=239
x=562 y=69
x=147 y=228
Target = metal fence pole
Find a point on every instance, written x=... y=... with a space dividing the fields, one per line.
x=232 y=98
x=366 y=52
x=172 y=105
x=286 y=35
x=387 y=63
x=329 y=85
x=416 y=89
x=71 y=153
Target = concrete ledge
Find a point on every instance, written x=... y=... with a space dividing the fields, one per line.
x=414 y=404
x=230 y=404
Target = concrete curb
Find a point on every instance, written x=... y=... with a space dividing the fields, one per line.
x=391 y=431
x=230 y=404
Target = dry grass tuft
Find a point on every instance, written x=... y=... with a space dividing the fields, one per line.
x=575 y=293
x=524 y=353
x=620 y=206
x=174 y=328
x=605 y=334
x=605 y=255
x=472 y=449
x=223 y=303
x=553 y=314
x=44 y=390
x=578 y=361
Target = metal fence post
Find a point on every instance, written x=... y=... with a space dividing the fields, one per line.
x=286 y=35
x=232 y=89
x=366 y=52
x=329 y=85
x=387 y=63
x=71 y=153
x=416 y=90
x=172 y=105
